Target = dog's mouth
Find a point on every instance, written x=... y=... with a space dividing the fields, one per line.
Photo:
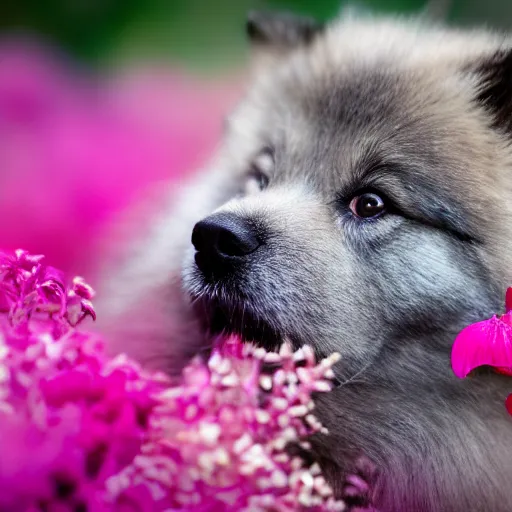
x=223 y=319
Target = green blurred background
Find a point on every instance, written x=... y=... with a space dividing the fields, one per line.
x=202 y=35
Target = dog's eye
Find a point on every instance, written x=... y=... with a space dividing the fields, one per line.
x=258 y=176
x=367 y=206
x=256 y=180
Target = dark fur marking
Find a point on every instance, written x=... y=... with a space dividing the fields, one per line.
x=281 y=29
x=496 y=88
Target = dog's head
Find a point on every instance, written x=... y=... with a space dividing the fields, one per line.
x=369 y=202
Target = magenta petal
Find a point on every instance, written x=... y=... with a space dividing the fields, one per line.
x=508 y=404
x=82 y=289
x=508 y=299
x=483 y=343
x=88 y=309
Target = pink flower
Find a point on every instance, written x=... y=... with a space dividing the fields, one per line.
x=81 y=431
x=95 y=145
x=486 y=343
x=29 y=287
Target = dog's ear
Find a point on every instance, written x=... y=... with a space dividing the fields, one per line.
x=281 y=30
x=494 y=78
x=274 y=34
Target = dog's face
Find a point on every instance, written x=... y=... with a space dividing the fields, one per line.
x=368 y=173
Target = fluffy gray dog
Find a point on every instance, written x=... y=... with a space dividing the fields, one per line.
x=360 y=203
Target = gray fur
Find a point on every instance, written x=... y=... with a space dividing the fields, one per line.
x=396 y=107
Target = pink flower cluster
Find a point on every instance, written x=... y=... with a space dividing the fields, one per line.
x=98 y=145
x=486 y=343
x=81 y=432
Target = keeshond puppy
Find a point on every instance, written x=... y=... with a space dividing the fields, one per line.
x=361 y=203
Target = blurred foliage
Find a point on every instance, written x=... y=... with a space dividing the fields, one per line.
x=83 y=27
x=200 y=33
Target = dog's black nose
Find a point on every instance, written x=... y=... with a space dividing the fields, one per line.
x=223 y=238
